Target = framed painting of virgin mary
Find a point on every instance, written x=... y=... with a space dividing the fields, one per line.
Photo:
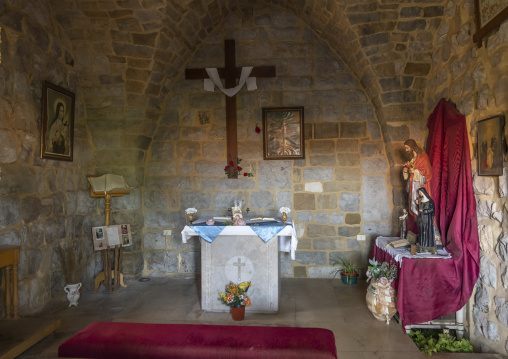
x=490 y=146
x=57 y=130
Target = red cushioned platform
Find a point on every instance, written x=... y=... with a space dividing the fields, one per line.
x=139 y=340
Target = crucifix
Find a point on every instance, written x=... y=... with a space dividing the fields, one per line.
x=230 y=73
x=239 y=264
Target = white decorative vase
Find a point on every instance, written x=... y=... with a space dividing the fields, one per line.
x=73 y=295
x=382 y=300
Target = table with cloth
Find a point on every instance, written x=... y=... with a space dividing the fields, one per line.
x=242 y=253
x=425 y=281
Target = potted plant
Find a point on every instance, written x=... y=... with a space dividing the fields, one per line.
x=381 y=297
x=236 y=298
x=348 y=272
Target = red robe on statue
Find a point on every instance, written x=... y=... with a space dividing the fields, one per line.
x=422 y=164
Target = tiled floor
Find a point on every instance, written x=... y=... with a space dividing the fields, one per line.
x=304 y=302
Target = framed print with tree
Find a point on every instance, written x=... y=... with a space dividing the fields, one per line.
x=57 y=130
x=283 y=137
x=488 y=15
x=490 y=146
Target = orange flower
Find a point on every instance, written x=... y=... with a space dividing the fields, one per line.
x=247 y=302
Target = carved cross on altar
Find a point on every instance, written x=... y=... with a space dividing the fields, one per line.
x=230 y=73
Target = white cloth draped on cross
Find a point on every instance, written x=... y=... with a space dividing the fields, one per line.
x=214 y=80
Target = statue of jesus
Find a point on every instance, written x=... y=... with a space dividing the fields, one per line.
x=418 y=173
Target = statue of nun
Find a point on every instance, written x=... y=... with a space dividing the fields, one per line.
x=426 y=210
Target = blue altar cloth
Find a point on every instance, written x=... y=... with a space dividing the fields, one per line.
x=264 y=230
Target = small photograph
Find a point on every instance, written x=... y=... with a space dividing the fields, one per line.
x=125 y=239
x=99 y=234
x=125 y=230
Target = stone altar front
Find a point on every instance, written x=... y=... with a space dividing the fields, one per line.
x=238 y=255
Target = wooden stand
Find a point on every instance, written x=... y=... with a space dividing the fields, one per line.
x=9 y=258
x=107 y=275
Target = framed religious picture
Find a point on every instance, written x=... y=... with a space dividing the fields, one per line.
x=488 y=15
x=57 y=130
x=283 y=135
x=490 y=146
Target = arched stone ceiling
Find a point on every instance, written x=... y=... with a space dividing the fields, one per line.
x=130 y=52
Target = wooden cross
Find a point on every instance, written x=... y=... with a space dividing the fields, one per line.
x=230 y=73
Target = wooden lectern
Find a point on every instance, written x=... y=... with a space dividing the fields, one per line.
x=116 y=273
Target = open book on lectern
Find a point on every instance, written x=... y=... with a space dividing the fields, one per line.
x=107 y=183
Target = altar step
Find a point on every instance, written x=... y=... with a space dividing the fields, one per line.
x=16 y=336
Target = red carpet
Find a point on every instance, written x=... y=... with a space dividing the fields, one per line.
x=178 y=341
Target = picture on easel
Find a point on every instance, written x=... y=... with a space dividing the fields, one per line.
x=110 y=236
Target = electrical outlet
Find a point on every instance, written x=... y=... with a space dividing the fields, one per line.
x=360 y=237
x=167 y=232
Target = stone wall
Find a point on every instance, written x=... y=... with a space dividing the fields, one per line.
x=43 y=203
x=340 y=190
x=476 y=79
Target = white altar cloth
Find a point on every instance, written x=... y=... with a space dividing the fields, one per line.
x=287 y=236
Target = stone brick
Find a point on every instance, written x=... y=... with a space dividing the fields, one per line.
x=326 y=130
x=348 y=160
x=155 y=240
x=481 y=298
x=316 y=258
x=274 y=175
x=196 y=200
x=371 y=149
x=163 y=151
x=349 y=202
x=320 y=230
x=488 y=272
x=190 y=262
x=17 y=179
x=304 y=216
x=314 y=187
x=374 y=229
x=346 y=231
x=210 y=168
x=347 y=146
x=353 y=218
x=283 y=199
x=352 y=130
x=223 y=200
x=188 y=150
x=300 y=272
x=411 y=25
x=375 y=201
x=235 y=184
x=317 y=174
x=164 y=220
x=347 y=174
x=165 y=261
x=304 y=201
x=329 y=244
x=352 y=243
x=262 y=200
x=358 y=113
x=327 y=201
x=322 y=160
x=10 y=237
x=9 y=211
x=336 y=218
x=374 y=165
x=321 y=218
x=322 y=147
x=155 y=200
x=417 y=69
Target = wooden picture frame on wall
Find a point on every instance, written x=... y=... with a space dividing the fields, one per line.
x=490 y=146
x=488 y=15
x=57 y=129
x=283 y=134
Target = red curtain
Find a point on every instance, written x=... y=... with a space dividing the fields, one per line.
x=452 y=192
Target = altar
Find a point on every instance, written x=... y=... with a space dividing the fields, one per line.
x=239 y=254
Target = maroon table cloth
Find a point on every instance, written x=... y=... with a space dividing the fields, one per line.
x=430 y=288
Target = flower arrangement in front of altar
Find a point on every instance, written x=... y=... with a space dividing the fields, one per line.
x=238 y=170
x=382 y=272
x=191 y=210
x=236 y=295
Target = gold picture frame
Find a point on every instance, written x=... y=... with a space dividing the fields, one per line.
x=490 y=146
x=57 y=128
x=488 y=15
x=283 y=134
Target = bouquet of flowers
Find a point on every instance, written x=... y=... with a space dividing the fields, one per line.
x=236 y=295
x=284 y=210
x=409 y=164
x=238 y=170
x=382 y=272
